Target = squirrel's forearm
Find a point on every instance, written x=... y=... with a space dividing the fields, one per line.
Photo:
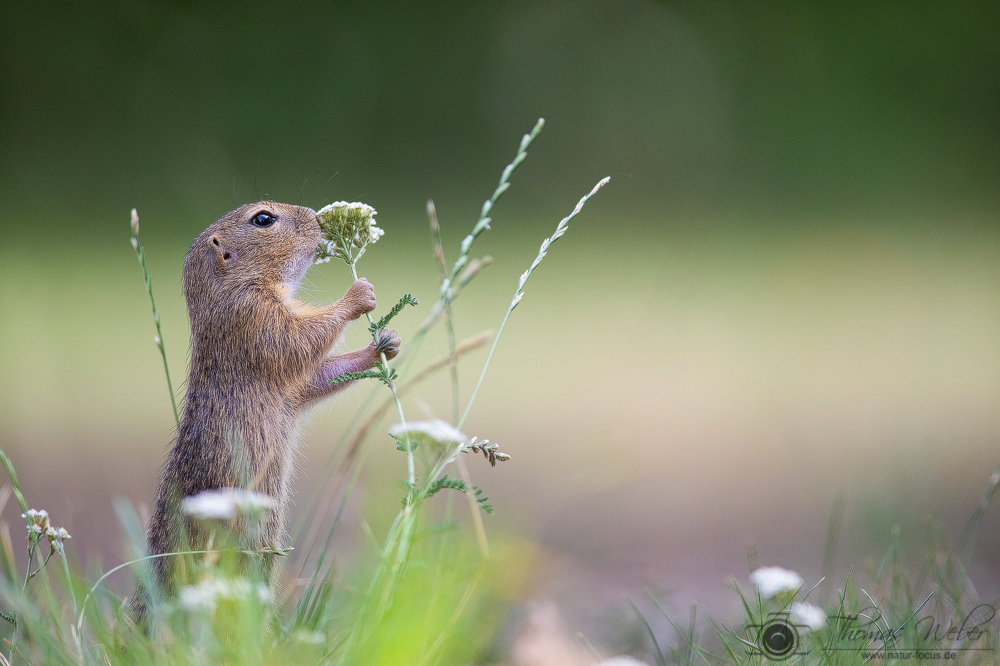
x=318 y=329
x=319 y=386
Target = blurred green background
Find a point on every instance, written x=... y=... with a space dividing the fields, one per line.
x=790 y=289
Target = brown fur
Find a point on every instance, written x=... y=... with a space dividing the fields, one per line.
x=258 y=360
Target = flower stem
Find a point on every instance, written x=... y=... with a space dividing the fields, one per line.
x=404 y=521
x=410 y=466
x=411 y=471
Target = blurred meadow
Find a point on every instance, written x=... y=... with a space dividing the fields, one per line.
x=788 y=293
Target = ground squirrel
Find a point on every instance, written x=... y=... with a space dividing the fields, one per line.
x=259 y=358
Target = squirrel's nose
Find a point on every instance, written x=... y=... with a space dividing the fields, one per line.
x=306 y=217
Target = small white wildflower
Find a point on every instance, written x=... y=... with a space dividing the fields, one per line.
x=774 y=580
x=808 y=615
x=135 y=222
x=56 y=538
x=135 y=243
x=40 y=526
x=37 y=517
x=198 y=597
x=436 y=430
x=226 y=503
x=209 y=592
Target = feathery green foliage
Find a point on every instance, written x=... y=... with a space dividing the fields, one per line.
x=407 y=299
x=352 y=376
x=446 y=482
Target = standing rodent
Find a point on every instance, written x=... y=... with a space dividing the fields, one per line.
x=259 y=359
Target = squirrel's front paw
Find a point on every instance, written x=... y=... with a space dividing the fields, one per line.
x=361 y=295
x=388 y=343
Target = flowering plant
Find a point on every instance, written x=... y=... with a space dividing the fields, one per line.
x=347 y=228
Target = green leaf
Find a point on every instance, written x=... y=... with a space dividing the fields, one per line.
x=351 y=376
x=382 y=373
x=446 y=482
x=407 y=299
x=386 y=374
x=482 y=500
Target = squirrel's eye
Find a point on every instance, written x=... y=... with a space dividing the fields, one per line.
x=263 y=220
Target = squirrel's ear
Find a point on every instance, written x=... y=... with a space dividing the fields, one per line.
x=223 y=256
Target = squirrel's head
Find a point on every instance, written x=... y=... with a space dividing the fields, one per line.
x=263 y=244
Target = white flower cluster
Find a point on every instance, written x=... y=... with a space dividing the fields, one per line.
x=433 y=432
x=443 y=434
x=346 y=227
x=437 y=430
x=41 y=526
x=226 y=503
x=207 y=594
x=808 y=615
x=772 y=581
x=775 y=580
